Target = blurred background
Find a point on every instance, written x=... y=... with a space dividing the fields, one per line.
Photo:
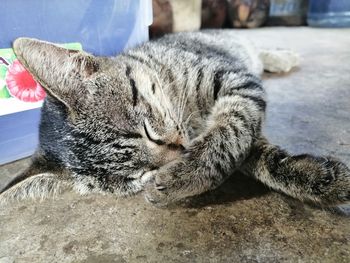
x=183 y=15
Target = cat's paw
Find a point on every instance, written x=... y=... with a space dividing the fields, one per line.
x=321 y=180
x=167 y=185
x=333 y=184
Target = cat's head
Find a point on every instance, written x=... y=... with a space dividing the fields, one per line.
x=116 y=102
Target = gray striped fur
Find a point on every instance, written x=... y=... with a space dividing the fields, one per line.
x=173 y=117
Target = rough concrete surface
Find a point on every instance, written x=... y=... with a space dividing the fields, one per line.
x=308 y=111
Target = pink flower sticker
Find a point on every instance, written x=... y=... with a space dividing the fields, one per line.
x=21 y=84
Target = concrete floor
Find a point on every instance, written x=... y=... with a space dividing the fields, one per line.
x=309 y=111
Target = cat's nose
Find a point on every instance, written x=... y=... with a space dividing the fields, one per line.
x=178 y=144
x=176 y=147
x=180 y=141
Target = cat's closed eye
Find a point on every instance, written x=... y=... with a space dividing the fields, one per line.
x=151 y=135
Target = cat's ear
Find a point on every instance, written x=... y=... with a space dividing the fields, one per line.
x=59 y=71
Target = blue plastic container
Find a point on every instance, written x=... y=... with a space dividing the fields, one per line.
x=18 y=135
x=329 y=13
x=287 y=12
x=101 y=27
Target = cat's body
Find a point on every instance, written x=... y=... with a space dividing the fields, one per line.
x=174 y=117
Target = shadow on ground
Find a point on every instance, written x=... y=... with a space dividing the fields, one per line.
x=236 y=188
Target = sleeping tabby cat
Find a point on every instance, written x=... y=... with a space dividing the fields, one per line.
x=173 y=117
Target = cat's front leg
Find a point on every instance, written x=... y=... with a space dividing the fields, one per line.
x=230 y=131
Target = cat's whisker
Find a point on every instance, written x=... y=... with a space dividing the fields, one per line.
x=180 y=103
x=190 y=116
x=167 y=105
x=184 y=103
x=184 y=98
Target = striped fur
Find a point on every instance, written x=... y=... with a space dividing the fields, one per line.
x=174 y=117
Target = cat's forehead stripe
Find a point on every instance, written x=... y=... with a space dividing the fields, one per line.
x=133 y=86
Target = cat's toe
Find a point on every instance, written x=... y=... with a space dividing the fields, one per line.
x=167 y=185
x=155 y=197
x=155 y=193
x=149 y=199
x=160 y=191
x=333 y=184
x=160 y=187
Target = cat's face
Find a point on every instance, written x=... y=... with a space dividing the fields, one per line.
x=119 y=105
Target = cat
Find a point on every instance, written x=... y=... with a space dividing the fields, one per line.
x=173 y=117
